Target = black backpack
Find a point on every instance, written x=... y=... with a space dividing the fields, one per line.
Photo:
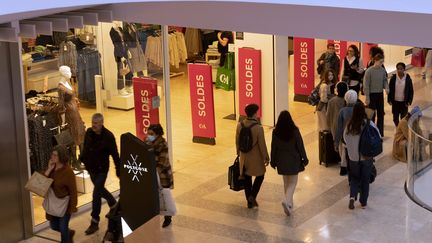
x=370 y=144
x=245 y=138
x=314 y=97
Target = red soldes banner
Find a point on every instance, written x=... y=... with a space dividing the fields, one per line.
x=341 y=48
x=202 y=103
x=304 y=66
x=249 y=67
x=365 y=52
x=146 y=105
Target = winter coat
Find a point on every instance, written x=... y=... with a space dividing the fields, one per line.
x=289 y=157
x=334 y=106
x=163 y=165
x=401 y=140
x=252 y=163
x=409 y=90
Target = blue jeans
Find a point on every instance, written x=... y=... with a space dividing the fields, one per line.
x=100 y=192
x=61 y=225
x=360 y=173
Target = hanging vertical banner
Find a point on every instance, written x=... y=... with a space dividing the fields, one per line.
x=365 y=47
x=249 y=67
x=202 y=104
x=146 y=105
x=304 y=68
x=341 y=48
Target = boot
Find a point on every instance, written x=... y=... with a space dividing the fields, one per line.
x=71 y=235
x=94 y=226
x=166 y=222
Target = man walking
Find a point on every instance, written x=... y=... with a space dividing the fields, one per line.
x=251 y=147
x=329 y=60
x=99 y=144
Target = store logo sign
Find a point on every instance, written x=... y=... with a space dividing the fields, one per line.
x=135 y=168
x=224 y=78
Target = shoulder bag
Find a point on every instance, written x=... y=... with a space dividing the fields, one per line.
x=55 y=206
x=39 y=184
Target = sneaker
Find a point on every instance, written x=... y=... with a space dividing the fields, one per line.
x=351 y=204
x=71 y=235
x=166 y=222
x=285 y=208
x=343 y=171
x=94 y=226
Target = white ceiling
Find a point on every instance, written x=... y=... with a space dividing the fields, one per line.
x=366 y=20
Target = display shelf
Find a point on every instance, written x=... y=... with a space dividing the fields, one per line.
x=36 y=73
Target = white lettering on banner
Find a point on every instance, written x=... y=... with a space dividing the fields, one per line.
x=303 y=59
x=145 y=108
x=249 y=77
x=201 y=95
x=134 y=168
x=303 y=86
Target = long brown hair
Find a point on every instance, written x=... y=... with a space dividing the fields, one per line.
x=355 y=124
x=62 y=152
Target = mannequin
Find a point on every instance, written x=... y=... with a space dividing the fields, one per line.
x=121 y=57
x=69 y=109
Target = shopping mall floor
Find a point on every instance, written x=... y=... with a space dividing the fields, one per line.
x=208 y=211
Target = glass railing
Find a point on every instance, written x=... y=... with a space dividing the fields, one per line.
x=419 y=157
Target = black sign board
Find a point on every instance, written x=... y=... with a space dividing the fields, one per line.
x=139 y=196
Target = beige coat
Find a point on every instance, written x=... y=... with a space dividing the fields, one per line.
x=252 y=163
x=400 y=141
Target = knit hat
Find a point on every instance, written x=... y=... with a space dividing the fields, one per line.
x=351 y=97
x=341 y=88
x=415 y=110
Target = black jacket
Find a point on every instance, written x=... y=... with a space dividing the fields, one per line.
x=97 y=149
x=288 y=156
x=409 y=90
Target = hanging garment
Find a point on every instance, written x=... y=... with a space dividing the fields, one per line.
x=181 y=44
x=68 y=56
x=40 y=139
x=193 y=41
x=88 y=65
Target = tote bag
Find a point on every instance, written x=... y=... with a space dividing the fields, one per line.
x=55 y=206
x=225 y=76
x=39 y=184
x=166 y=201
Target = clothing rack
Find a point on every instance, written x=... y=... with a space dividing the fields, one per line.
x=59 y=128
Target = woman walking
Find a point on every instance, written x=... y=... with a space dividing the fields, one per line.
x=353 y=69
x=64 y=185
x=163 y=166
x=288 y=155
x=360 y=167
x=324 y=91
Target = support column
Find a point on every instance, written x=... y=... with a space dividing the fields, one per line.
x=167 y=91
x=281 y=69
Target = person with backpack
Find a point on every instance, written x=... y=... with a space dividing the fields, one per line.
x=361 y=134
x=288 y=155
x=401 y=93
x=343 y=118
x=252 y=149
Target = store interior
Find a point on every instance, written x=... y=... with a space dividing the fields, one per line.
x=95 y=52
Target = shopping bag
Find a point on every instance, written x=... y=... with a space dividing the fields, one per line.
x=235 y=183
x=39 y=184
x=225 y=79
x=229 y=61
x=166 y=202
x=55 y=206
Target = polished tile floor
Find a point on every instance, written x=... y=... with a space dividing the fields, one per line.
x=209 y=212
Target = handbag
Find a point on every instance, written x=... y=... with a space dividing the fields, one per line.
x=373 y=174
x=64 y=138
x=166 y=202
x=39 y=184
x=235 y=183
x=55 y=206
